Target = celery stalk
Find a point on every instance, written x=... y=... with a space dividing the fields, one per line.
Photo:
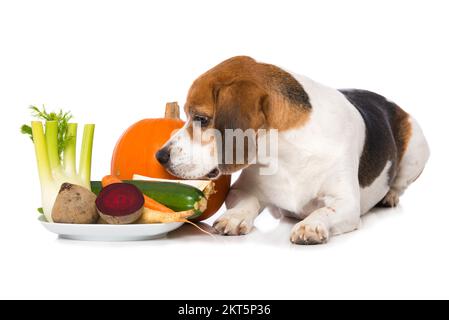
x=40 y=147
x=69 y=154
x=54 y=171
x=86 y=153
x=51 y=137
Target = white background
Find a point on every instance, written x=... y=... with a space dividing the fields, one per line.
x=115 y=62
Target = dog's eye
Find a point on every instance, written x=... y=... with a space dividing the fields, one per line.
x=203 y=120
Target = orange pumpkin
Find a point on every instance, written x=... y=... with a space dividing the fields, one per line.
x=135 y=152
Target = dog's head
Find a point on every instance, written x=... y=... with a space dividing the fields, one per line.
x=229 y=102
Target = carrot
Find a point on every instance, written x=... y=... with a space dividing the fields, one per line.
x=149 y=203
x=110 y=179
x=153 y=204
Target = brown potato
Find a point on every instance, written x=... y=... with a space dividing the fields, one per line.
x=74 y=204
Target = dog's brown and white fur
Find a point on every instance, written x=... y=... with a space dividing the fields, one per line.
x=340 y=152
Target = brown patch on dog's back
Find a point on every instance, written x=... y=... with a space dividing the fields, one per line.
x=402 y=130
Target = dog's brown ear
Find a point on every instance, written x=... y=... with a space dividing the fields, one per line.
x=239 y=105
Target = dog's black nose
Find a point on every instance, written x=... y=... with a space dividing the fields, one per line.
x=163 y=156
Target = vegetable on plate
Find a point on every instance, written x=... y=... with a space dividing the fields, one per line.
x=55 y=149
x=150 y=216
x=120 y=203
x=74 y=204
x=206 y=186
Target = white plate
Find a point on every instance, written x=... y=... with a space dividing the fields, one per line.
x=109 y=232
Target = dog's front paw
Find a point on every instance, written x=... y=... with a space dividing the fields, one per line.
x=309 y=233
x=234 y=223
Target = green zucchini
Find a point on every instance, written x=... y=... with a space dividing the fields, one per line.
x=176 y=196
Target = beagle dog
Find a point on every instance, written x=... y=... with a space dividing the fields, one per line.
x=340 y=152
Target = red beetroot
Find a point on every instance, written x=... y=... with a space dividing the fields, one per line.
x=120 y=203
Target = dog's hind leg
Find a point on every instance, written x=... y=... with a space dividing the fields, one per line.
x=411 y=166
